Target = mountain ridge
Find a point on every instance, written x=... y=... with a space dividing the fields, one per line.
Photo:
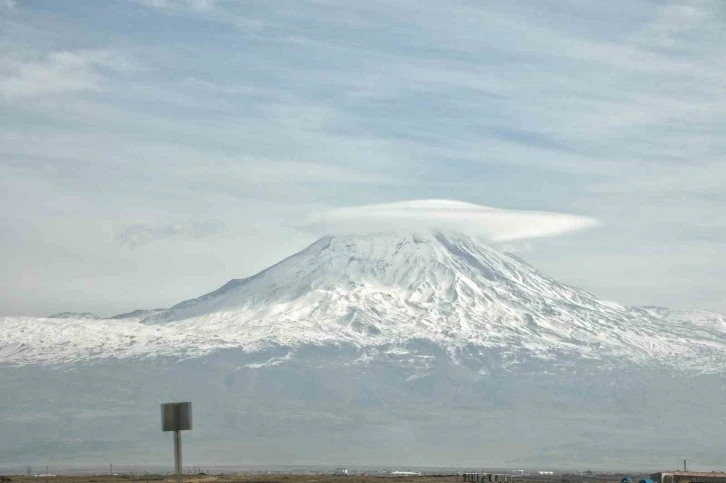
x=451 y=289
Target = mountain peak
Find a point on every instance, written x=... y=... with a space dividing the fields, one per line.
x=424 y=261
x=448 y=289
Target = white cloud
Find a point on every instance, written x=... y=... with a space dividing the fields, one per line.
x=495 y=224
x=30 y=75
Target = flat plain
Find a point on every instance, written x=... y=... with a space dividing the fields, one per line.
x=293 y=478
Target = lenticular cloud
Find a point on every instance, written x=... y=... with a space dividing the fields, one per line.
x=495 y=224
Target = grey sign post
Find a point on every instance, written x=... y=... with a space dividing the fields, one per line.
x=177 y=417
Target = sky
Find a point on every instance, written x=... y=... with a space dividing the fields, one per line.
x=151 y=150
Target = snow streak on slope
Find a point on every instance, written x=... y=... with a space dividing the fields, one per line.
x=386 y=290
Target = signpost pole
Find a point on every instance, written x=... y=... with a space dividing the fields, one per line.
x=177 y=417
x=178 y=455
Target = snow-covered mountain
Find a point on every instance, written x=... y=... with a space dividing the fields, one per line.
x=367 y=349
x=369 y=291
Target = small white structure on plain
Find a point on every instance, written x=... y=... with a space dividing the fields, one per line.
x=405 y=473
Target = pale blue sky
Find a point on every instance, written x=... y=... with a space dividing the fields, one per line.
x=151 y=150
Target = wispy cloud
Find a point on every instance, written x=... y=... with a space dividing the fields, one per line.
x=196 y=5
x=139 y=234
x=552 y=77
x=33 y=74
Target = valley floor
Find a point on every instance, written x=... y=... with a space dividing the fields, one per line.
x=297 y=478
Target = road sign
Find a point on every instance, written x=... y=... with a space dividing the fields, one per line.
x=177 y=417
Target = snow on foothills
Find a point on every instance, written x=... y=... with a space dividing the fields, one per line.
x=75 y=315
x=28 y=340
x=385 y=290
x=494 y=224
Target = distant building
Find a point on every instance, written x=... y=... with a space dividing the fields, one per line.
x=688 y=477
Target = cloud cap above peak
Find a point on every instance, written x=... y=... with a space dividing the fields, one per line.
x=495 y=224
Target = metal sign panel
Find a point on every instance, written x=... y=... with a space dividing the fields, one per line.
x=176 y=416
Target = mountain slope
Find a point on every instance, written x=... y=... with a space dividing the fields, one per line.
x=371 y=291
